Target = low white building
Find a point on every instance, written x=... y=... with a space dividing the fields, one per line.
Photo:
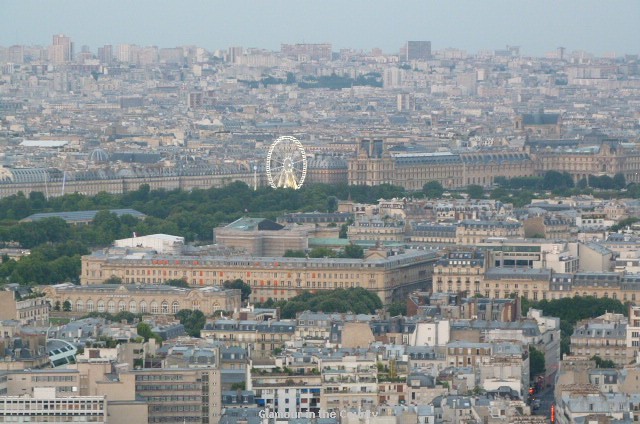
x=161 y=243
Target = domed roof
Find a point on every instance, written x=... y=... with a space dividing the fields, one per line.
x=99 y=155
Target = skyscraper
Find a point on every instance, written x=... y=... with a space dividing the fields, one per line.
x=417 y=50
x=105 y=53
x=61 y=51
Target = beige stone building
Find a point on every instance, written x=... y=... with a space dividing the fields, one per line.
x=471 y=232
x=143 y=299
x=374 y=165
x=377 y=229
x=262 y=237
x=279 y=278
x=459 y=271
x=261 y=338
x=51 y=181
x=548 y=227
x=30 y=310
x=600 y=158
x=504 y=282
x=604 y=336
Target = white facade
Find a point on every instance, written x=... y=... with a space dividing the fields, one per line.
x=161 y=243
x=430 y=334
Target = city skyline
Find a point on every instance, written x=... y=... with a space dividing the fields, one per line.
x=593 y=26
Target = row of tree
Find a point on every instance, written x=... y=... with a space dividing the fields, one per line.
x=355 y=300
x=351 y=251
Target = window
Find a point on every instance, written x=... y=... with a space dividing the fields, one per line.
x=133 y=307
x=165 y=307
x=154 y=307
x=100 y=306
x=89 y=305
x=79 y=306
x=111 y=306
x=122 y=306
x=143 y=307
x=175 y=307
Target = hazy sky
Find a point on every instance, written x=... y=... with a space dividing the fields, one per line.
x=538 y=26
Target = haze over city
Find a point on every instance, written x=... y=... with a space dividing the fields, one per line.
x=356 y=212
x=537 y=26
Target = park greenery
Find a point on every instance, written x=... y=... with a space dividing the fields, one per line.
x=56 y=246
x=571 y=310
x=603 y=363
x=245 y=289
x=536 y=363
x=355 y=300
x=193 y=321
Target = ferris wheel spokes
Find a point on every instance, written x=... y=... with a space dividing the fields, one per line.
x=286 y=163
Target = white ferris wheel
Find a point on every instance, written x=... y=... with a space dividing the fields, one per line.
x=286 y=163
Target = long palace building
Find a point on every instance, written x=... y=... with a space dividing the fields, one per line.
x=374 y=164
x=390 y=277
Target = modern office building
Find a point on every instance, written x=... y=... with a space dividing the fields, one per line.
x=417 y=50
x=44 y=406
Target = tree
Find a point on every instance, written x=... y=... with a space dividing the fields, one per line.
x=322 y=252
x=294 y=254
x=332 y=204
x=175 y=282
x=66 y=306
x=619 y=181
x=583 y=183
x=193 y=321
x=475 y=191
x=536 y=363
x=556 y=180
x=603 y=363
x=353 y=251
x=113 y=280
x=397 y=308
x=624 y=223
x=433 y=190
x=144 y=331
x=57 y=306
x=241 y=285
x=356 y=300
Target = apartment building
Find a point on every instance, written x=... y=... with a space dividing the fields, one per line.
x=32 y=309
x=604 y=336
x=459 y=272
x=349 y=382
x=633 y=333
x=259 y=337
x=286 y=393
x=472 y=232
x=377 y=228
